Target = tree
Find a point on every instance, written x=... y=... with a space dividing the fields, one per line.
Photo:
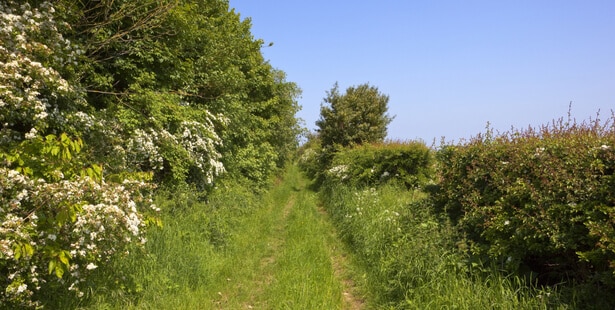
x=356 y=117
x=183 y=89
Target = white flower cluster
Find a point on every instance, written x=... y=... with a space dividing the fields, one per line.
x=105 y=219
x=201 y=141
x=142 y=149
x=29 y=89
x=307 y=156
x=367 y=196
x=340 y=172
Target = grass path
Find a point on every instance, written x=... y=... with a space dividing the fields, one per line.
x=286 y=256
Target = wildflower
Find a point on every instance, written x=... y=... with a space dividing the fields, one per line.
x=605 y=147
x=31 y=134
x=22 y=288
x=91 y=266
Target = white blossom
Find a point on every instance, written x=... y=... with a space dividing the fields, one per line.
x=91 y=266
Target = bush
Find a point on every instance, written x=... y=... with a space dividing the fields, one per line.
x=541 y=199
x=408 y=163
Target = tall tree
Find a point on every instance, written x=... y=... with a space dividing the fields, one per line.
x=184 y=80
x=356 y=117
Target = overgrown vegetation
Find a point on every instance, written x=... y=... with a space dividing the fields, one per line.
x=539 y=202
x=103 y=101
x=238 y=250
x=138 y=138
x=523 y=218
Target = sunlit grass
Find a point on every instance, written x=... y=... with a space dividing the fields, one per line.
x=410 y=259
x=280 y=251
x=238 y=251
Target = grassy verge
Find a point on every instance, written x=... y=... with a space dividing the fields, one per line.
x=410 y=258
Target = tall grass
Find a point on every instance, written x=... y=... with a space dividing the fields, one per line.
x=238 y=250
x=410 y=257
x=184 y=261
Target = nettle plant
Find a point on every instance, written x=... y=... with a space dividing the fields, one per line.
x=59 y=218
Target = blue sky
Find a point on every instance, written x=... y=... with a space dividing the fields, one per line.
x=449 y=67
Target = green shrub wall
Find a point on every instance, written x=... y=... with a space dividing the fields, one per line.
x=409 y=163
x=540 y=199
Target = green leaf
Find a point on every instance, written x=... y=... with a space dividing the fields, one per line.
x=62 y=217
x=59 y=271
x=52 y=266
x=55 y=150
x=64 y=258
x=17 y=251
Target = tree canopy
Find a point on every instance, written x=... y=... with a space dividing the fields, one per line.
x=356 y=117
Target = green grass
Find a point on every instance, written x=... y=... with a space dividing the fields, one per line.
x=409 y=256
x=239 y=251
x=381 y=248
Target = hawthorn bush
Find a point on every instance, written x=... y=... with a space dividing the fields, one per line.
x=539 y=200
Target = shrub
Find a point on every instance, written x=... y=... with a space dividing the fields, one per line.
x=538 y=198
x=60 y=220
x=408 y=163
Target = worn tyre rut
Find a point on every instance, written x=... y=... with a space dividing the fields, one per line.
x=293 y=259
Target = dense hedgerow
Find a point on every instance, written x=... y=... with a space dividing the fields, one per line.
x=542 y=199
x=408 y=163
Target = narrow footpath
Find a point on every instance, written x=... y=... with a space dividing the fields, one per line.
x=288 y=256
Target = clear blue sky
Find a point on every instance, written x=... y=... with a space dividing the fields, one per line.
x=449 y=67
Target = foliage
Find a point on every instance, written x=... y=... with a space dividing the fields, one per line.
x=356 y=117
x=409 y=256
x=408 y=163
x=101 y=100
x=309 y=155
x=538 y=199
x=60 y=221
x=59 y=218
x=162 y=68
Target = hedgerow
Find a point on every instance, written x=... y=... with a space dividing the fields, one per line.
x=539 y=200
x=408 y=163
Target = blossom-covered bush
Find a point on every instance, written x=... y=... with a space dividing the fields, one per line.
x=34 y=96
x=56 y=233
x=193 y=146
x=59 y=218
